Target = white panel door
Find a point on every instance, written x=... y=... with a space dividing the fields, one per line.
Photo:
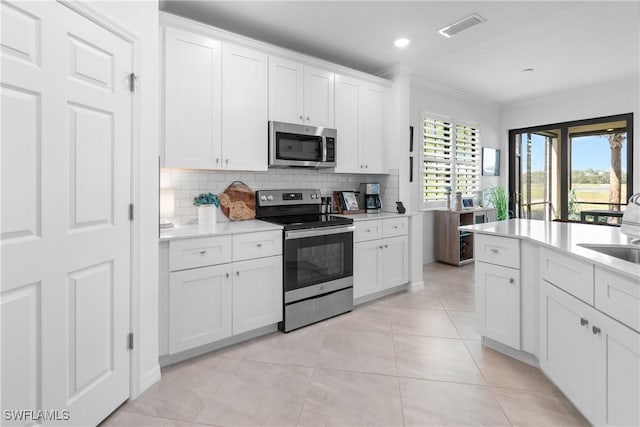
x=366 y=270
x=319 y=97
x=286 y=91
x=347 y=120
x=257 y=293
x=65 y=236
x=193 y=100
x=394 y=260
x=244 y=106
x=617 y=382
x=567 y=345
x=199 y=306
x=374 y=128
x=498 y=303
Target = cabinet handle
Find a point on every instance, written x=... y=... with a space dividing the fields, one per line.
x=226 y=275
x=396 y=226
x=217 y=159
x=386 y=246
x=302 y=118
x=237 y=272
x=203 y=252
x=368 y=230
x=595 y=330
x=259 y=245
x=584 y=321
x=366 y=166
x=510 y=279
x=494 y=250
x=308 y=118
x=381 y=247
x=227 y=161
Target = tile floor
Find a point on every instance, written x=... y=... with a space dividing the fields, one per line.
x=410 y=359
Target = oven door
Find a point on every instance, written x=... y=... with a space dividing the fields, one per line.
x=317 y=261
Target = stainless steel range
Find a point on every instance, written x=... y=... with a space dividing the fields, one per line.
x=317 y=256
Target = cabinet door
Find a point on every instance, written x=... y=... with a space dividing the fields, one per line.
x=617 y=381
x=192 y=121
x=257 y=293
x=199 y=307
x=374 y=129
x=567 y=345
x=365 y=268
x=347 y=113
x=318 y=97
x=286 y=91
x=244 y=102
x=394 y=261
x=498 y=303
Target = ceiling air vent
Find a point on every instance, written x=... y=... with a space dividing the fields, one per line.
x=461 y=25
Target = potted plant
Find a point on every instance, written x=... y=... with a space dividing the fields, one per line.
x=497 y=196
x=207 y=204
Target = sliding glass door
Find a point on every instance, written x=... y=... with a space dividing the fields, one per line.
x=572 y=171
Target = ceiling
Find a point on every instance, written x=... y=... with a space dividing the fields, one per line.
x=568 y=44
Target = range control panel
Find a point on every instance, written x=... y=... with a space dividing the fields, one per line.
x=287 y=197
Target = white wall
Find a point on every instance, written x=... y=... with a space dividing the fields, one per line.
x=140 y=18
x=429 y=97
x=617 y=97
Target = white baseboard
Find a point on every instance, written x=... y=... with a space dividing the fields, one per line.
x=150 y=378
x=428 y=261
x=415 y=286
x=520 y=355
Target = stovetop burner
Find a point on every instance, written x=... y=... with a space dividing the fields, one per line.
x=296 y=222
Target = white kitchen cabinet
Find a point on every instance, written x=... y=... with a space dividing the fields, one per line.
x=617 y=375
x=360 y=117
x=192 y=100
x=257 y=293
x=202 y=78
x=300 y=93
x=498 y=303
x=380 y=263
x=567 y=345
x=394 y=262
x=199 y=307
x=244 y=106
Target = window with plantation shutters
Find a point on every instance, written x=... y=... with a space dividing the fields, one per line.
x=451 y=155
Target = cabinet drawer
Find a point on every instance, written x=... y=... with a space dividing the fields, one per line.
x=200 y=252
x=618 y=296
x=570 y=274
x=394 y=227
x=367 y=230
x=257 y=245
x=497 y=250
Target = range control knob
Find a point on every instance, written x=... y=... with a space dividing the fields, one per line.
x=313 y=196
x=269 y=198
x=263 y=198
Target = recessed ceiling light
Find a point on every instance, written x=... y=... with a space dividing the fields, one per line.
x=526 y=70
x=402 y=42
x=610 y=129
x=461 y=25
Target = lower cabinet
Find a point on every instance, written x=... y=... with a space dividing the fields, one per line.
x=257 y=293
x=380 y=264
x=497 y=301
x=592 y=358
x=199 y=306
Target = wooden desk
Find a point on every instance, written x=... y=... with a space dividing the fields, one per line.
x=597 y=214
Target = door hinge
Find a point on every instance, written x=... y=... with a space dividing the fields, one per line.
x=130 y=211
x=130 y=341
x=132 y=82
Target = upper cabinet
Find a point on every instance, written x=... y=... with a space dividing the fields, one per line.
x=192 y=100
x=244 y=108
x=360 y=112
x=204 y=78
x=300 y=94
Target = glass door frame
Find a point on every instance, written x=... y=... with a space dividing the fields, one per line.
x=565 y=159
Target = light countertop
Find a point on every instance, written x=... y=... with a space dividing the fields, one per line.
x=221 y=228
x=381 y=215
x=565 y=237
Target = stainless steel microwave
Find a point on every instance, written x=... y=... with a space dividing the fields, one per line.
x=292 y=145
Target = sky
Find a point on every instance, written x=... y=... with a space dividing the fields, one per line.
x=587 y=152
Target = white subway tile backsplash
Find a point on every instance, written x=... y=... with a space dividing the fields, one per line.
x=188 y=185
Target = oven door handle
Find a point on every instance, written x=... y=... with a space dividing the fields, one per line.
x=320 y=231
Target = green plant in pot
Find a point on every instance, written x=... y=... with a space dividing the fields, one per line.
x=207 y=204
x=497 y=196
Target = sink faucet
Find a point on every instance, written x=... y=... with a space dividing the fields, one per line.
x=631 y=218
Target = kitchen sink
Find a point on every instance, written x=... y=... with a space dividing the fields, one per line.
x=623 y=252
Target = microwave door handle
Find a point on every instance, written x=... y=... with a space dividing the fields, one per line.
x=324 y=149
